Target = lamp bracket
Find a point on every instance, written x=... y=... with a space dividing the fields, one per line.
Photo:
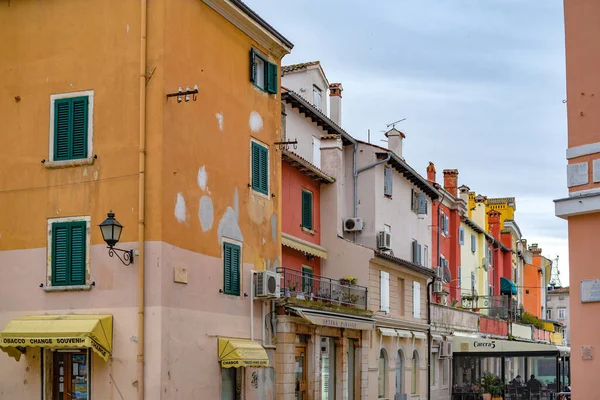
x=127 y=255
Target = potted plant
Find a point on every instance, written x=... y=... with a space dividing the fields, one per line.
x=348 y=280
x=491 y=386
x=290 y=289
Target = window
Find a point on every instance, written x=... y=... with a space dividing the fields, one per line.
x=472 y=283
x=400 y=296
x=444 y=223
x=562 y=313
x=307 y=210
x=414 y=200
x=425 y=256
x=71 y=126
x=387 y=228
x=384 y=292
x=459 y=277
x=416 y=299
x=70 y=375
x=461 y=235
x=307 y=279
x=549 y=314
x=422 y=204
x=490 y=290
x=387 y=181
x=263 y=74
x=68 y=248
x=414 y=381
x=417 y=253
x=316 y=143
x=230 y=378
x=399 y=374
x=317 y=96
x=473 y=243
x=231 y=268
x=382 y=374
x=433 y=368
x=260 y=168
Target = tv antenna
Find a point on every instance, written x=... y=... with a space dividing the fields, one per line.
x=555 y=275
x=393 y=124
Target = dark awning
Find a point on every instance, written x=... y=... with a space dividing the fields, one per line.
x=507 y=286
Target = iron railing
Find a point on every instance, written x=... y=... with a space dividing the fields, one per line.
x=494 y=306
x=305 y=286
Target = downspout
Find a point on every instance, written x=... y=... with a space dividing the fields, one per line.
x=358 y=171
x=429 y=285
x=141 y=198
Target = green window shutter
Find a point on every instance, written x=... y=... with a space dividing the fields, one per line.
x=307 y=208
x=231 y=271
x=71 y=128
x=78 y=253
x=255 y=166
x=260 y=168
x=272 y=77
x=252 y=66
x=60 y=254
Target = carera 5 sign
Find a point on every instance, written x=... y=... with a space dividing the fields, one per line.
x=485 y=345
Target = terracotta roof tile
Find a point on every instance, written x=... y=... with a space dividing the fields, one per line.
x=296 y=67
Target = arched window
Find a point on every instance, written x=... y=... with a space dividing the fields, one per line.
x=382 y=373
x=414 y=381
x=400 y=373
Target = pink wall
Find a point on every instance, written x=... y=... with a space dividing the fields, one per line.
x=293 y=182
x=493 y=326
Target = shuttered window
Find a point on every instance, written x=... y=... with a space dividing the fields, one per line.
x=71 y=128
x=422 y=204
x=231 y=268
x=416 y=299
x=387 y=181
x=260 y=168
x=263 y=74
x=307 y=209
x=384 y=292
x=461 y=235
x=473 y=243
x=69 y=253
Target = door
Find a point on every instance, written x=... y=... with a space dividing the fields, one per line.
x=70 y=375
x=300 y=373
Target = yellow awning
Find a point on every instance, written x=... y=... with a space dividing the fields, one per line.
x=303 y=246
x=241 y=353
x=58 y=331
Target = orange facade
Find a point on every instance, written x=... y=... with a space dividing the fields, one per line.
x=532 y=295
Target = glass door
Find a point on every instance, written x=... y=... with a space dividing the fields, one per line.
x=70 y=379
x=300 y=373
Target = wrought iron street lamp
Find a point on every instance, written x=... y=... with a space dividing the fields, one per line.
x=111 y=233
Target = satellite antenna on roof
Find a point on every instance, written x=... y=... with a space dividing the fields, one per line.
x=393 y=125
x=555 y=275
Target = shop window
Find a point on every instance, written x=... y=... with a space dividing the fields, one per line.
x=382 y=374
x=68 y=250
x=414 y=374
x=70 y=374
x=231 y=383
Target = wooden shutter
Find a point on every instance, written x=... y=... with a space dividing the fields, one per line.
x=255 y=166
x=70 y=128
x=307 y=209
x=420 y=260
x=387 y=181
x=415 y=250
x=252 y=66
x=78 y=253
x=416 y=299
x=473 y=243
x=422 y=204
x=272 y=77
x=231 y=269
x=260 y=168
x=69 y=253
x=384 y=292
x=60 y=254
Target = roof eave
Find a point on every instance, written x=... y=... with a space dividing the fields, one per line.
x=410 y=174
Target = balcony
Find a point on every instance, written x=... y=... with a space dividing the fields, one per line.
x=323 y=291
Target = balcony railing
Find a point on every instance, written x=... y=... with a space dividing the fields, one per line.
x=310 y=287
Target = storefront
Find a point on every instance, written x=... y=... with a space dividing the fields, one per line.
x=326 y=349
x=474 y=357
x=67 y=345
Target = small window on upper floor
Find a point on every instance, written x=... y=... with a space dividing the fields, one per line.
x=307 y=210
x=260 y=168
x=71 y=127
x=387 y=181
x=562 y=312
x=317 y=97
x=263 y=74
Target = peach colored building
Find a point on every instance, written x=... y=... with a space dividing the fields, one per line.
x=582 y=206
x=89 y=127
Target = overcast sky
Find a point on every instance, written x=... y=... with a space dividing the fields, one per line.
x=481 y=84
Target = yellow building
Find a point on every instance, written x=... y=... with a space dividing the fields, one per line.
x=90 y=126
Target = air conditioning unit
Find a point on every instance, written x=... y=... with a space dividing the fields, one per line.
x=268 y=284
x=446 y=349
x=438 y=287
x=439 y=272
x=384 y=241
x=353 y=224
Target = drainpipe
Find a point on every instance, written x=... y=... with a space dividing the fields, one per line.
x=358 y=171
x=141 y=198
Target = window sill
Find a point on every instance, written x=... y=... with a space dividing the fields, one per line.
x=72 y=288
x=309 y=231
x=388 y=196
x=69 y=163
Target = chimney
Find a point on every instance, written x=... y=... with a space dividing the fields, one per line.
x=335 y=103
x=535 y=249
x=395 y=138
x=431 y=172
x=494 y=223
x=451 y=181
x=464 y=193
